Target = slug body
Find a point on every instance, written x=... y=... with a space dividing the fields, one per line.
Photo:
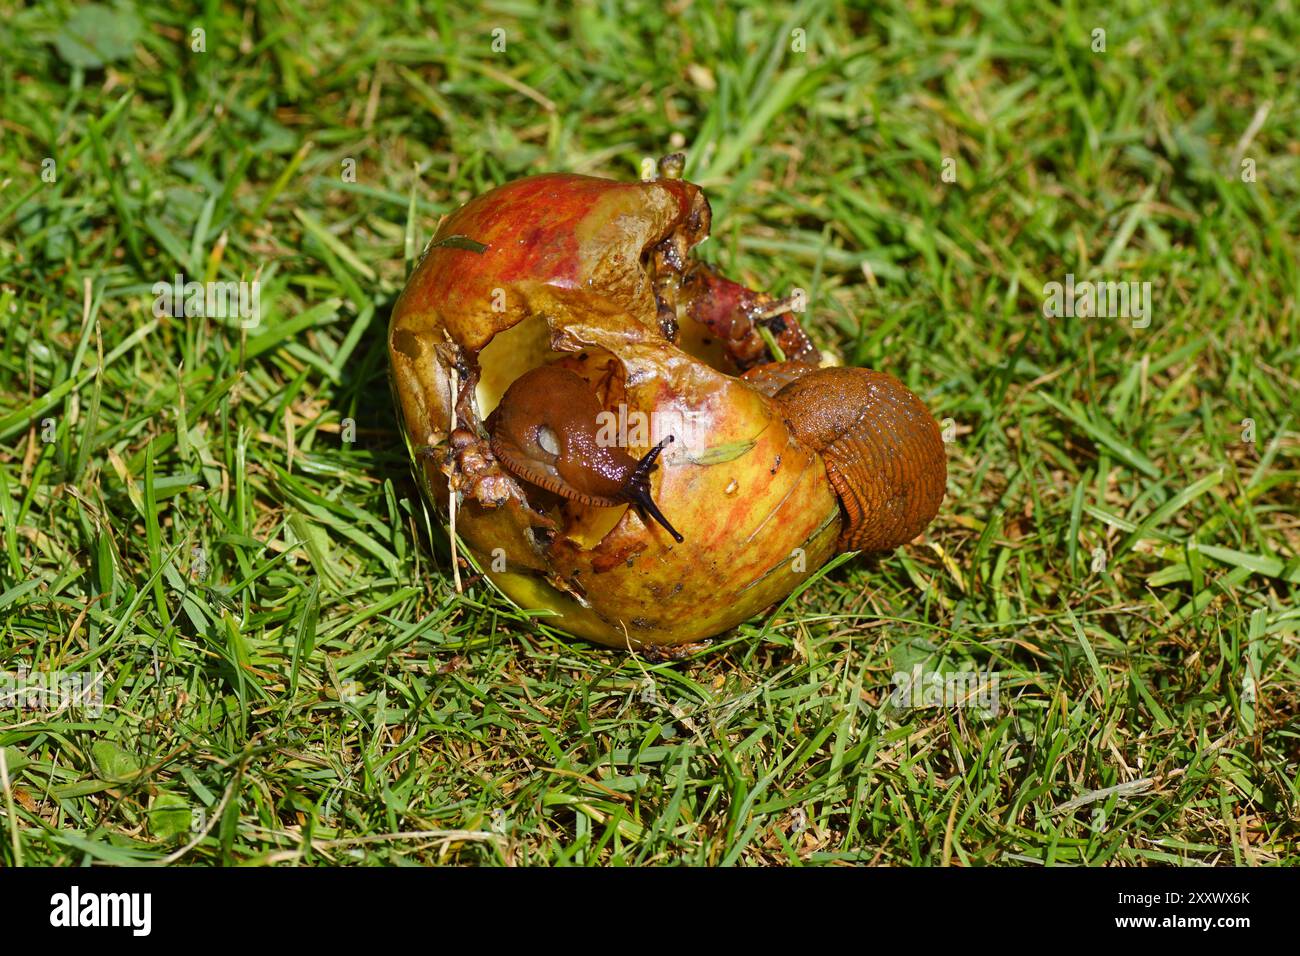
x=882 y=449
x=546 y=431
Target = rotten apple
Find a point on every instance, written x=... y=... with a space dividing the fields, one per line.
x=605 y=424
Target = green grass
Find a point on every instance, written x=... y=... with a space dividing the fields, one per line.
x=290 y=674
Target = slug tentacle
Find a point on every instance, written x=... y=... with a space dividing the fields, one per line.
x=882 y=450
x=546 y=431
x=639 y=488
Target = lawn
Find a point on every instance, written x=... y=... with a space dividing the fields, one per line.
x=222 y=522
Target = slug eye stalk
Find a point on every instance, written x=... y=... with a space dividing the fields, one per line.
x=638 y=489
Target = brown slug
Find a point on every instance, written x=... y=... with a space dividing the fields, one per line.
x=544 y=430
x=881 y=447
